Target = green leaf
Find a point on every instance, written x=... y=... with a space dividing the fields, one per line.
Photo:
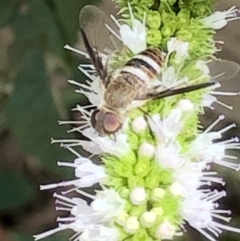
x=15 y=190
x=63 y=236
x=31 y=113
x=36 y=27
x=68 y=16
x=7 y=12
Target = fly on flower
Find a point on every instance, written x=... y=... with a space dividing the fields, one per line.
x=129 y=86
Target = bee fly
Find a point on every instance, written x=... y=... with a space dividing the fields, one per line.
x=128 y=87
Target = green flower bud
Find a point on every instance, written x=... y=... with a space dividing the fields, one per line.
x=168 y=16
x=116 y=182
x=138 y=210
x=201 y=10
x=141 y=235
x=157 y=194
x=121 y=219
x=183 y=17
x=123 y=169
x=184 y=34
x=124 y=192
x=142 y=168
x=129 y=159
x=135 y=181
x=158 y=211
x=152 y=179
x=148 y=218
x=153 y=19
x=171 y=2
x=132 y=225
x=154 y=37
x=169 y=29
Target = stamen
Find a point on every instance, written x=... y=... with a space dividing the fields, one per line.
x=68 y=200
x=74 y=236
x=68 y=47
x=115 y=21
x=213 y=231
x=73 y=151
x=225 y=227
x=69 y=190
x=87 y=66
x=204 y=233
x=226 y=219
x=219 y=119
x=62 y=209
x=67 y=164
x=49 y=233
x=65 y=141
x=92 y=77
x=113 y=32
x=225 y=93
x=71 y=122
x=66 y=219
x=80 y=85
x=81 y=109
x=228 y=164
x=86 y=194
x=55 y=185
x=233 y=125
x=131 y=13
x=64 y=204
x=231 y=157
x=224 y=105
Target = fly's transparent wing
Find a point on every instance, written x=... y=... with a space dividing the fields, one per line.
x=222 y=70
x=93 y=21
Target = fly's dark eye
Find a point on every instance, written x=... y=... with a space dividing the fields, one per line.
x=111 y=123
x=94 y=118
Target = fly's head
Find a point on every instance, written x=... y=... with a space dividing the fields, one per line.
x=105 y=122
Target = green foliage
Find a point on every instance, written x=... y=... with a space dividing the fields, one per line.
x=15 y=190
x=30 y=106
x=40 y=28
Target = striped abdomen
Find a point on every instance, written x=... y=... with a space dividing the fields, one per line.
x=146 y=65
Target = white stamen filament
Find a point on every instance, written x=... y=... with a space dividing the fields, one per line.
x=219 y=119
x=68 y=47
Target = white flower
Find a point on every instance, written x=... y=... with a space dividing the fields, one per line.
x=205 y=147
x=201 y=65
x=220 y=19
x=135 y=37
x=208 y=101
x=86 y=172
x=98 y=144
x=118 y=146
x=91 y=220
x=168 y=128
x=200 y=211
x=168 y=156
x=109 y=203
x=99 y=233
x=170 y=79
x=178 y=46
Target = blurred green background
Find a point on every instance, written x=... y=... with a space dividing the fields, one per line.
x=34 y=95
